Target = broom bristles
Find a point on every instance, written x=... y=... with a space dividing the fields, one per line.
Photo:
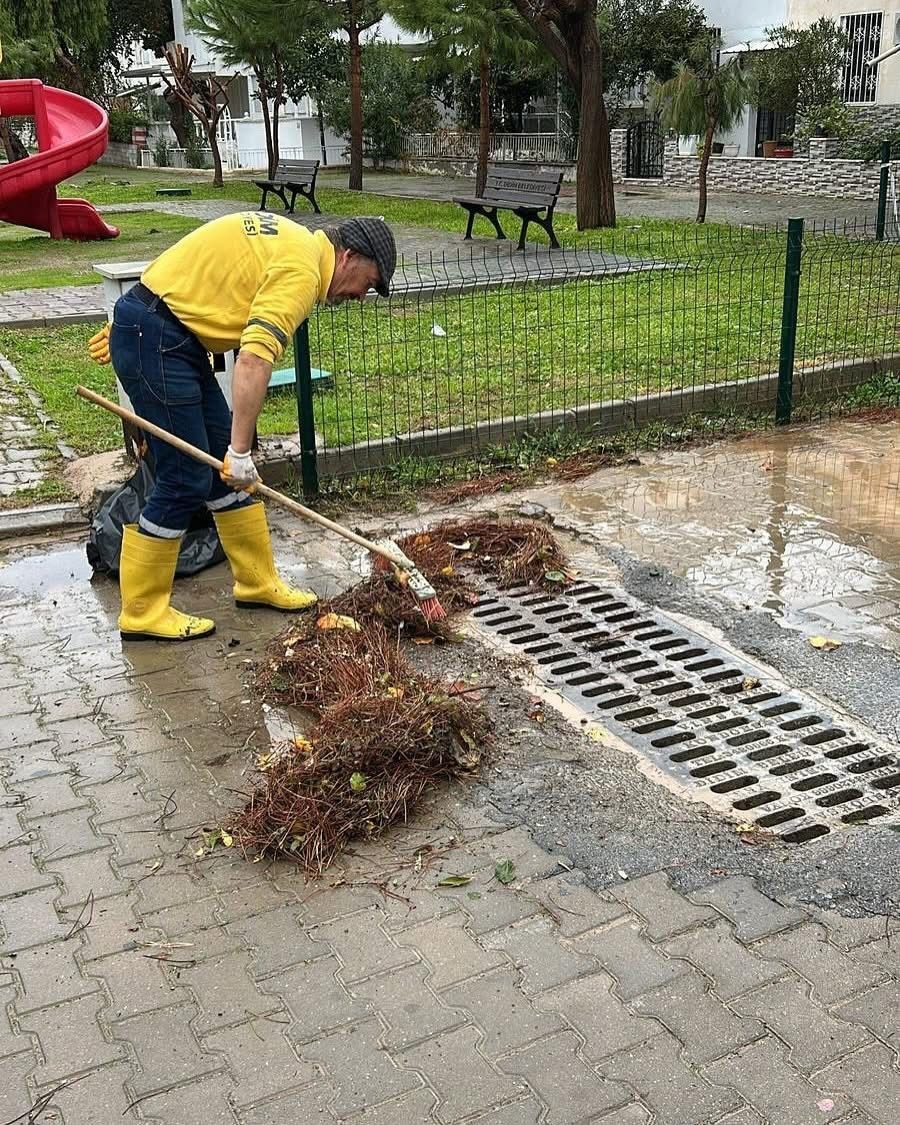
x=432 y=610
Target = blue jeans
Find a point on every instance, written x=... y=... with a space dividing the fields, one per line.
x=166 y=373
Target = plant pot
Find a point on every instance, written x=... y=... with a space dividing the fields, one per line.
x=717 y=147
x=784 y=152
x=731 y=150
x=769 y=147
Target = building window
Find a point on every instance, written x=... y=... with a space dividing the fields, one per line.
x=858 y=80
x=715 y=45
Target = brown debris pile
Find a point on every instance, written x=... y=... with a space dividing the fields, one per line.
x=385 y=734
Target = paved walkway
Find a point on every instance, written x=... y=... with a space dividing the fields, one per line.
x=142 y=983
x=22 y=453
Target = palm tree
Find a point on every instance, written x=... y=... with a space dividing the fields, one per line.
x=703 y=97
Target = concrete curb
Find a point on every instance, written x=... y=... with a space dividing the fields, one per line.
x=40 y=518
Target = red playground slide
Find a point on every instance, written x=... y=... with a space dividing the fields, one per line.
x=71 y=135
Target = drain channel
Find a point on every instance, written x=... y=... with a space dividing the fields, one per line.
x=700 y=713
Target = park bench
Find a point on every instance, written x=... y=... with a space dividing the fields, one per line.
x=529 y=193
x=295 y=176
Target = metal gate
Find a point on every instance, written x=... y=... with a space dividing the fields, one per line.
x=644 y=151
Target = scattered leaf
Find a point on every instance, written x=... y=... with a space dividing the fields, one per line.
x=555 y=576
x=358 y=782
x=455 y=881
x=226 y=838
x=750 y=682
x=200 y=852
x=473 y=894
x=423 y=640
x=595 y=733
x=303 y=744
x=826 y=644
x=505 y=871
x=337 y=621
x=536 y=710
x=395 y=692
x=448 y=571
x=552 y=462
x=464 y=546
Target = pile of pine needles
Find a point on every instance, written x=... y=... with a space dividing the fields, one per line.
x=385 y=734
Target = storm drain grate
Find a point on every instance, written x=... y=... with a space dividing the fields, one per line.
x=697 y=711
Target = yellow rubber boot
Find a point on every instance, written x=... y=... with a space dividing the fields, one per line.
x=146 y=572
x=244 y=533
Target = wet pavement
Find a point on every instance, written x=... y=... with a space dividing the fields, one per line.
x=804 y=524
x=646 y=965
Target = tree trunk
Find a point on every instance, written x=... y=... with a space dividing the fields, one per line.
x=262 y=92
x=484 y=120
x=595 y=198
x=356 y=118
x=704 y=165
x=12 y=142
x=276 y=110
x=218 y=180
x=179 y=118
x=321 y=118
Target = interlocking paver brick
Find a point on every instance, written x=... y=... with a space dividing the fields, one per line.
x=95 y=766
x=166 y=1048
x=574 y=907
x=834 y=976
x=664 y=911
x=525 y=1111
x=667 y=1084
x=64 y=1052
x=76 y=734
x=164 y=888
x=753 y=914
x=494 y=907
x=846 y=932
x=206 y=1100
x=706 y=1027
x=11 y=1041
x=535 y=950
x=18 y=873
x=497 y=1006
x=34 y=761
x=48 y=795
x=598 y=1016
x=15 y=1100
x=48 y=974
x=415 y=1107
x=871 y=1078
x=568 y=1086
x=408 y=1006
x=445 y=1059
x=30 y=919
x=113 y=927
x=882 y=954
x=140 y=842
x=624 y=953
x=85 y=874
x=69 y=704
x=530 y=860
x=634 y=1114
x=814 y=1037
x=119 y=799
x=879 y=1010
x=729 y=966
x=98 y=1097
x=359 y=1070
x=261 y=1060
x=309 y=1104
x=275 y=940
x=327 y=903
x=137 y=981
x=451 y=952
x=747 y=1117
x=316 y=999
x=66 y=834
x=762 y=1075
x=362 y=945
x=224 y=991
x=18 y=731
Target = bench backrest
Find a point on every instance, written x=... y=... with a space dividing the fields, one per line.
x=301 y=170
x=522 y=185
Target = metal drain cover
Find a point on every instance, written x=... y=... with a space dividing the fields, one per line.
x=699 y=712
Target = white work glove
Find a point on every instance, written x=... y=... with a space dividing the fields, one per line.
x=238 y=470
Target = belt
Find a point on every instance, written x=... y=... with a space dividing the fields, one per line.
x=153 y=302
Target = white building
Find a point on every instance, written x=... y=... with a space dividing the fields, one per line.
x=242 y=131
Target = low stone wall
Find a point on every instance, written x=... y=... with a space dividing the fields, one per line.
x=125 y=156
x=815 y=174
x=453 y=166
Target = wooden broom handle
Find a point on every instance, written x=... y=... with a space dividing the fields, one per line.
x=263 y=489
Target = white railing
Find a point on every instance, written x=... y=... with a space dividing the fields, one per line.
x=533 y=148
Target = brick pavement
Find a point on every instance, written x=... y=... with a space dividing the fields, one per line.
x=142 y=983
x=23 y=452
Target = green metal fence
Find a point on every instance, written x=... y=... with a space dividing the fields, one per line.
x=628 y=335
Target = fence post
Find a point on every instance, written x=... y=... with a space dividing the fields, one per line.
x=882 y=190
x=306 y=422
x=785 y=400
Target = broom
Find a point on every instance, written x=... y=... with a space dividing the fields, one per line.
x=404 y=567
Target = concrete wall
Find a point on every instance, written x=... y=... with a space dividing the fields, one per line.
x=123 y=156
x=817 y=175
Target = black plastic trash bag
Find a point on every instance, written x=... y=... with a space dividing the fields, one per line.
x=200 y=546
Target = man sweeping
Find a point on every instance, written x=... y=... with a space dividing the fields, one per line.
x=246 y=280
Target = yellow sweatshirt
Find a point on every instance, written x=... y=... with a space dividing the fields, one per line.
x=245 y=280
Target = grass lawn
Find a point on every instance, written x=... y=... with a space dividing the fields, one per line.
x=30 y=259
x=528 y=348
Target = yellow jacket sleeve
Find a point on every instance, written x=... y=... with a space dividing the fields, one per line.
x=285 y=298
